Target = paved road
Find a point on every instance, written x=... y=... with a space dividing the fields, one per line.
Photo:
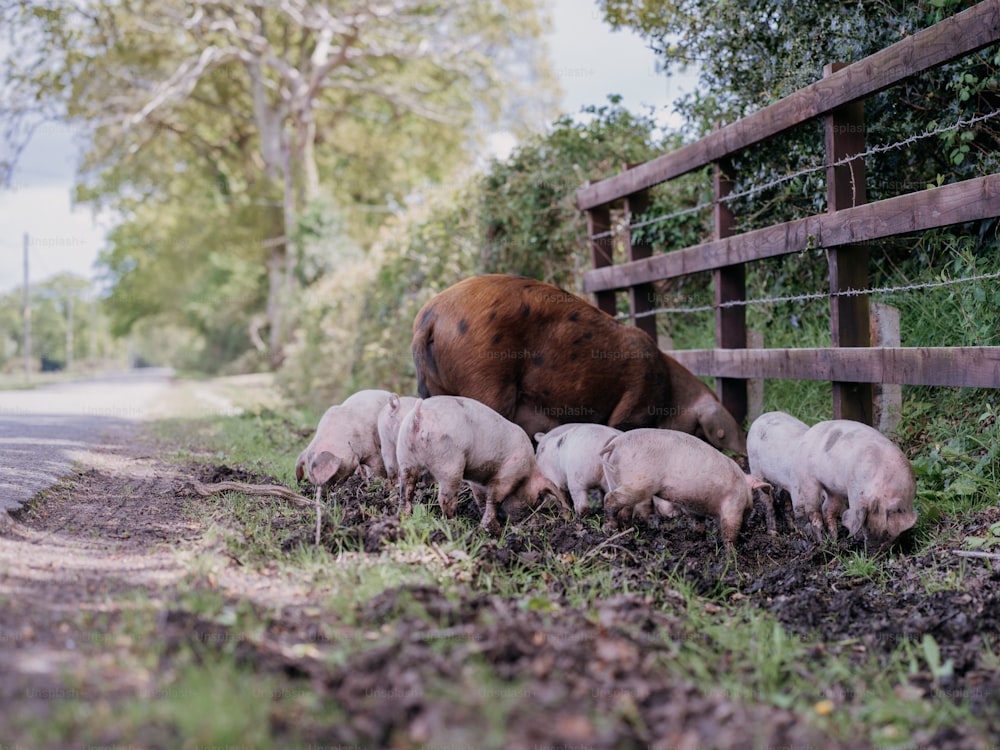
x=44 y=431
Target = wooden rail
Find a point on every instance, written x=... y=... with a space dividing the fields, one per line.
x=958 y=202
x=849 y=230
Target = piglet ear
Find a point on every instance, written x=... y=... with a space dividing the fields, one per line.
x=900 y=521
x=854 y=519
x=323 y=467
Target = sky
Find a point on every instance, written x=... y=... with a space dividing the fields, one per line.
x=590 y=62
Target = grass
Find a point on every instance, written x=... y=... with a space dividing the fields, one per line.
x=716 y=640
x=858 y=564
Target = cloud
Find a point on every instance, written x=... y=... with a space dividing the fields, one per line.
x=61 y=237
x=591 y=61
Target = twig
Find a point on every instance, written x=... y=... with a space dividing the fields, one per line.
x=618 y=547
x=319 y=510
x=986 y=555
x=606 y=542
x=262 y=490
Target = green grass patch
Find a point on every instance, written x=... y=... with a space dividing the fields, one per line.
x=719 y=638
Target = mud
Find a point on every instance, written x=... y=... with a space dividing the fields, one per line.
x=583 y=667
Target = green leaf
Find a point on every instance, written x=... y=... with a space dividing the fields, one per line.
x=963 y=486
x=974 y=542
x=932 y=652
x=932 y=655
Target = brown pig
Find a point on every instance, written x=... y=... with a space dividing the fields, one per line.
x=847 y=464
x=569 y=455
x=389 y=420
x=542 y=357
x=345 y=440
x=456 y=439
x=682 y=470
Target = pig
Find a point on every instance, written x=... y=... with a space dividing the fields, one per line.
x=849 y=465
x=345 y=440
x=389 y=419
x=569 y=456
x=454 y=439
x=541 y=357
x=682 y=470
x=773 y=452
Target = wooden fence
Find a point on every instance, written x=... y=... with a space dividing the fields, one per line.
x=846 y=230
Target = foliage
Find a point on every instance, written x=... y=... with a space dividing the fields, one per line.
x=987 y=541
x=529 y=222
x=68 y=327
x=959 y=465
x=321 y=356
x=249 y=114
x=751 y=54
x=520 y=217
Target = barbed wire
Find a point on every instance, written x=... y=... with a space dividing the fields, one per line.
x=814 y=296
x=873 y=150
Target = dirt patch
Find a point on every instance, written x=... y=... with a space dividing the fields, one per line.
x=108 y=533
x=471 y=668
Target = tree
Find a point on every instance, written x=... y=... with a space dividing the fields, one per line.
x=254 y=94
x=65 y=326
x=750 y=54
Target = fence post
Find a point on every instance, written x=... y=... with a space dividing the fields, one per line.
x=845 y=187
x=601 y=251
x=755 y=386
x=887 y=401
x=641 y=296
x=729 y=284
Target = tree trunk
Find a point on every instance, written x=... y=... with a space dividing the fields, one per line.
x=275 y=300
x=307 y=159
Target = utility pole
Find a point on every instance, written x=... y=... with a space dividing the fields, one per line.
x=92 y=341
x=26 y=348
x=69 y=330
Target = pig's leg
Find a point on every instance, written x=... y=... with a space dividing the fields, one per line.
x=448 y=489
x=490 y=523
x=628 y=410
x=767 y=499
x=730 y=523
x=784 y=507
x=808 y=499
x=617 y=501
x=502 y=399
x=375 y=466
x=479 y=495
x=531 y=419
x=407 y=487
x=644 y=512
x=581 y=502
x=833 y=508
x=665 y=508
